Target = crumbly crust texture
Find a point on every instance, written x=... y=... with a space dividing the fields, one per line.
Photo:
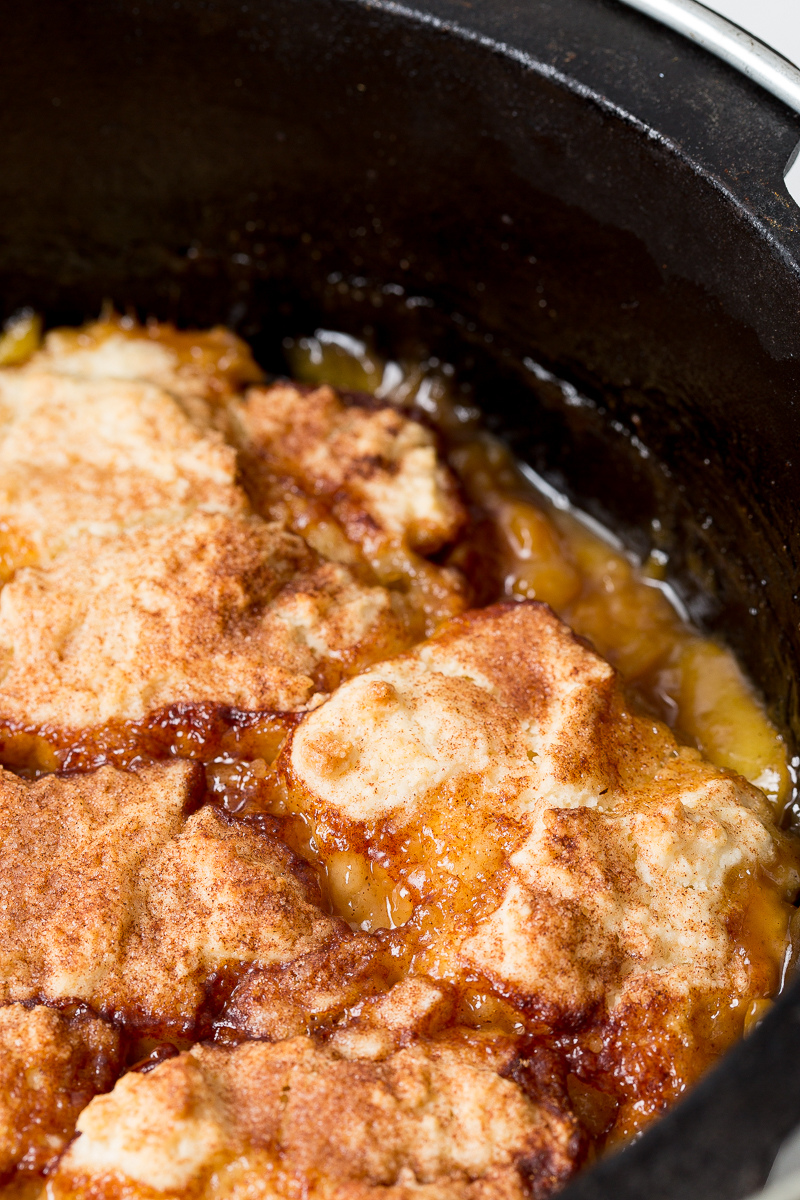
x=112 y=895
x=201 y=368
x=556 y=916
x=378 y=469
x=213 y=608
x=431 y=1117
x=51 y=1066
x=362 y=483
x=582 y=862
x=308 y=994
x=101 y=456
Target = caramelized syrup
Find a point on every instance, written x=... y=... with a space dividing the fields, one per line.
x=520 y=544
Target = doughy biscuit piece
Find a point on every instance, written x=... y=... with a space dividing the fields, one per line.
x=50 y=1068
x=310 y=992
x=378 y=470
x=268 y=1120
x=362 y=485
x=564 y=849
x=110 y=895
x=100 y=456
x=201 y=367
x=231 y=611
x=414 y=1007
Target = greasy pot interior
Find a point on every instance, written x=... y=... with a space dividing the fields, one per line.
x=279 y=167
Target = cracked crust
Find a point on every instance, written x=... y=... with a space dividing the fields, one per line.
x=377 y=469
x=202 y=368
x=214 y=608
x=50 y=1068
x=100 y=456
x=415 y=1007
x=111 y=895
x=307 y=994
x=549 y=840
x=551 y=866
x=362 y=484
x=268 y=1119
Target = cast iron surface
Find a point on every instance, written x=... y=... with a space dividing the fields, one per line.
x=564 y=182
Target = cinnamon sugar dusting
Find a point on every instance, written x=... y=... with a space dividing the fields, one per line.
x=101 y=456
x=315 y=881
x=549 y=840
x=364 y=485
x=378 y=468
x=434 y=1117
x=231 y=610
x=110 y=894
x=51 y=1066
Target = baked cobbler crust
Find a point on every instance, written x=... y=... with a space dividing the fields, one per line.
x=113 y=895
x=437 y=911
x=202 y=369
x=431 y=1118
x=551 y=842
x=379 y=470
x=51 y=1065
x=101 y=456
x=232 y=610
x=363 y=484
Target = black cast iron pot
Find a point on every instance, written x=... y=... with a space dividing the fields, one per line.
x=494 y=180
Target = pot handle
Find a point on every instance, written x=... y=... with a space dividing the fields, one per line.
x=739 y=48
x=791 y=174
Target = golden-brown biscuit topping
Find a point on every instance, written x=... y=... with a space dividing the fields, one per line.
x=363 y=483
x=101 y=456
x=112 y=895
x=379 y=469
x=540 y=835
x=51 y=1066
x=431 y=1118
x=201 y=367
x=444 y=916
x=230 y=610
